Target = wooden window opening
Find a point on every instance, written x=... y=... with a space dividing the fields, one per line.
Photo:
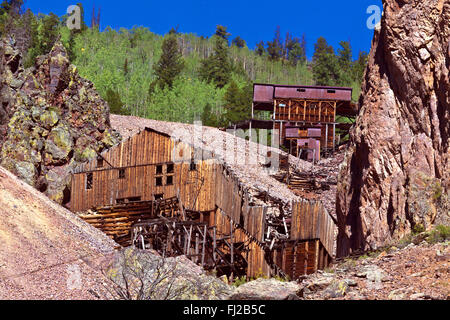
x=159 y=169
x=100 y=163
x=169 y=181
x=158 y=196
x=122 y=174
x=159 y=181
x=89 y=180
x=170 y=168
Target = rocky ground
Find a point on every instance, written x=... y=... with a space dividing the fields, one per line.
x=416 y=272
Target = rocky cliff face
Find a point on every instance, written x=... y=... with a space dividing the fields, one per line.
x=396 y=173
x=50 y=120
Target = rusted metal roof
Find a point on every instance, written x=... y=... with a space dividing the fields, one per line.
x=266 y=93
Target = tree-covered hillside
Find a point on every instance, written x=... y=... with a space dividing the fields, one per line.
x=181 y=77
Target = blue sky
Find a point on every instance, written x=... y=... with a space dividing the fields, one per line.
x=251 y=20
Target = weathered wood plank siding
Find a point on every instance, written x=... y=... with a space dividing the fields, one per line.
x=129 y=171
x=310 y=221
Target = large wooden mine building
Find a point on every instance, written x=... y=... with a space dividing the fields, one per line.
x=149 y=192
x=305 y=117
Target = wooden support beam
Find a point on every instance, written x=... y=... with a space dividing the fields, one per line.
x=304 y=114
x=320 y=111
x=281 y=134
x=289 y=111
x=204 y=244
x=189 y=240
x=316 y=255
x=306 y=257
x=275 y=109
x=334 y=136
x=214 y=245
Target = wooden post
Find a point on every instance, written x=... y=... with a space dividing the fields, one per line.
x=205 y=229
x=320 y=110
x=294 y=265
x=326 y=137
x=197 y=246
x=281 y=133
x=316 y=256
x=214 y=244
x=334 y=112
x=189 y=241
x=232 y=242
x=306 y=257
x=334 y=136
x=274 y=109
x=289 y=111
x=304 y=114
x=232 y=251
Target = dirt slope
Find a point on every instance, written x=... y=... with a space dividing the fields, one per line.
x=45 y=247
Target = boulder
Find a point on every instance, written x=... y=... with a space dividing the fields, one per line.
x=267 y=289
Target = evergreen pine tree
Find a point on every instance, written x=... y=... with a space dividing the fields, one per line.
x=359 y=66
x=325 y=64
x=170 y=64
x=217 y=68
x=222 y=32
x=43 y=37
x=260 y=48
x=345 y=63
x=275 y=47
x=237 y=103
x=238 y=42
x=125 y=67
x=114 y=102
x=209 y=118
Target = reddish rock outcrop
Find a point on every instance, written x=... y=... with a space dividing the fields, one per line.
x=395 y=176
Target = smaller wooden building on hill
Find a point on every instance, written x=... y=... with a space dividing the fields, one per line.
x=305 y=117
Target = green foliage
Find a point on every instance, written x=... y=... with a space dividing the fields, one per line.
x=345 y=63
x=238 y=42
x=179 y=77
x=237 y=103
x=275 y=47
x=260 y=48
x=222 y=32
x=440 y=233
x=217 y=68
x=45 y=31
x=170 y=64
x=418 y=228
x=210 y=118
x=114 y=102
x=240 y=281
x=359 y=66
x=325 y=64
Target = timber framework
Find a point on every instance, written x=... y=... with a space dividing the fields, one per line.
x=305 y=117
x=239 y=220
